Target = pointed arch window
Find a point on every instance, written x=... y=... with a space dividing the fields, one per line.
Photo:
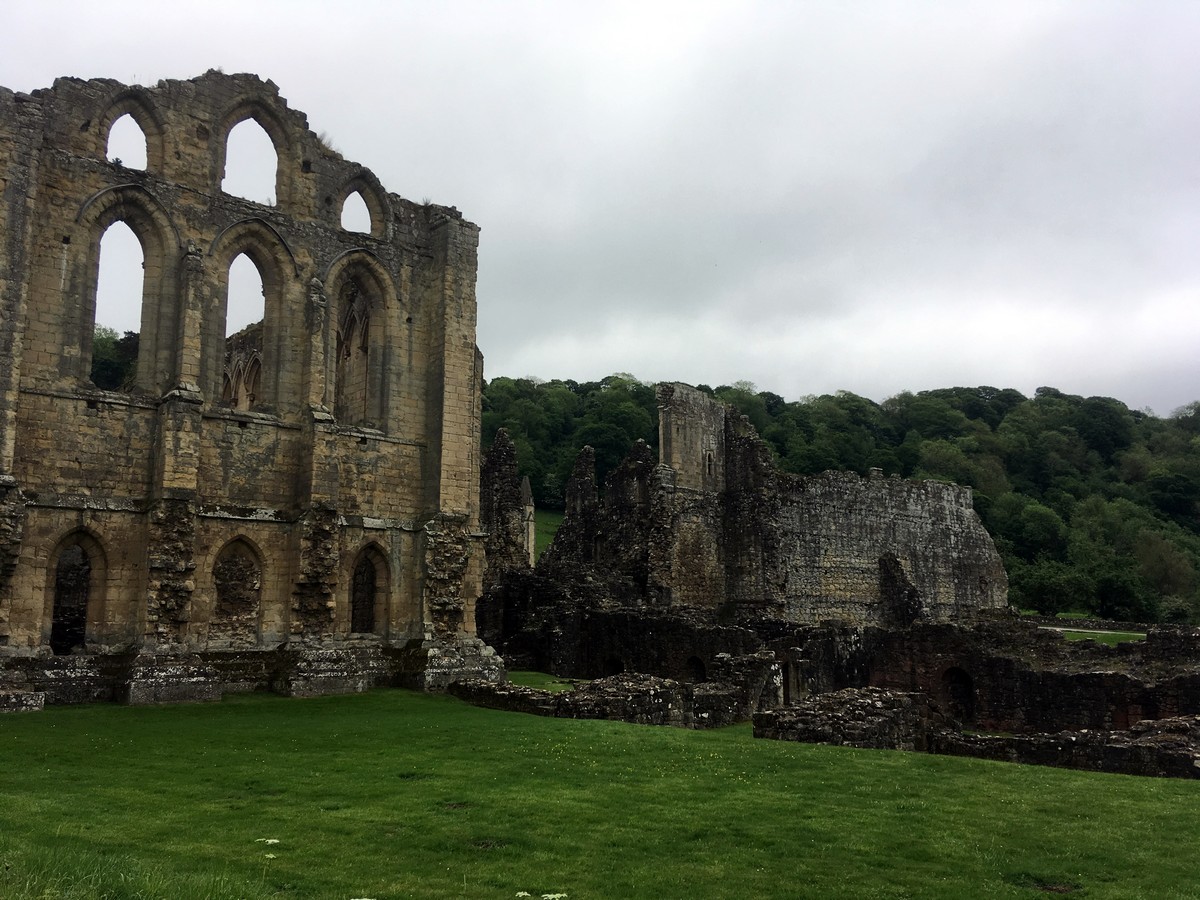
x=76 y=585
x=356 y=215
x=368 y=591
x=127 y=285
x=354 y=400
x=251 y=163
x=246 y=299
x=72 y=585
x=120 y=288
x=245 y=309
x=362 y=598
x=127 y=144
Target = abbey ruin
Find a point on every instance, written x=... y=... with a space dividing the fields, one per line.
x=297 y=509
x=707 y=587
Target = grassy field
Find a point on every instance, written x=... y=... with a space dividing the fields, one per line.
x=1112 y=638
x=542 y=681
x=398 y=794
x=546 y=522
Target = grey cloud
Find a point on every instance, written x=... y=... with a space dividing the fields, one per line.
x=877 y=196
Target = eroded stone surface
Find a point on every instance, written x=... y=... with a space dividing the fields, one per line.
x=343 y=426
x=635 y=698
x=714 y=526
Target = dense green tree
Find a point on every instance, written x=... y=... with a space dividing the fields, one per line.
x=114 y=358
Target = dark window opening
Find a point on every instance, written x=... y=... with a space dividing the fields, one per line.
x=362 y=597
x=72 y=586
x=352 y=391
x=959 y=693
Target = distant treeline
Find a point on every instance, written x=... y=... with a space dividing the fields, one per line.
x=1095 y=507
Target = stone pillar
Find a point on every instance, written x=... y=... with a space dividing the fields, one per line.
x=21 y=140
x=191 y=323
x=454 y=542
x=20 y=143
x=171 y=526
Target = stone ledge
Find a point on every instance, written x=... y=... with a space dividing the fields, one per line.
x=22 y=701
x=635 y=698
x=880 y=719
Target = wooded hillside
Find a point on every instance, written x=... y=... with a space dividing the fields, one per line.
x=1094 y=506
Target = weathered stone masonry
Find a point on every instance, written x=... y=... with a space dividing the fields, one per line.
x=707 y=556
x=715 y=526
x=225 y=503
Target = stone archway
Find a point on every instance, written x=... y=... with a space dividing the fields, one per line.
x=362 y=597
x=958 y=693
x=237 y=582
x=72 y=590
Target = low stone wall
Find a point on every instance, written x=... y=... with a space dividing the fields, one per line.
x=895 y=720
x=21 y=701
x=181 y=677
x=638 y=699
x=1163 y=747
x=872 y=718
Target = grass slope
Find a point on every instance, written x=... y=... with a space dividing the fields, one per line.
x=1112 y=638
x=546 y=523
x=398 y=794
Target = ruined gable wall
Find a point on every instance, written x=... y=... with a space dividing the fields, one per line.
x=162 y=476
x=844 y=541
x=687 y=554
x=870 y=551
x=20 y=138
x=503 y=511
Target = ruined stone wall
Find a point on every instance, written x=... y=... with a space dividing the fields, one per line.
x=506 y=511
x=715 y=526
x=873 y=550
x=1015 y=678
x=157 y=482
x=880 y=719
x=834 y=546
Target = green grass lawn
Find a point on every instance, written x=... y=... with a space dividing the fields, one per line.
x=1112 y=638
x=541 y=681
x=399 y=794
x=546 y=522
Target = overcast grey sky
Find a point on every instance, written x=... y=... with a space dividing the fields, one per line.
x=873 y=197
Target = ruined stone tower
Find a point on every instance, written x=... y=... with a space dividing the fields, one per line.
x=310 y=488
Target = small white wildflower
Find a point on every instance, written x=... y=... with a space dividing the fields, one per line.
x=269 y=856
x=524 y=894
x=266 y=840
x=554 y=897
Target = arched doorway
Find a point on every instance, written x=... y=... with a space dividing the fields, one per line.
x=237 y=583
x=362 y=597
x=958 y=692
x=368 y=591
x=72 y=590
